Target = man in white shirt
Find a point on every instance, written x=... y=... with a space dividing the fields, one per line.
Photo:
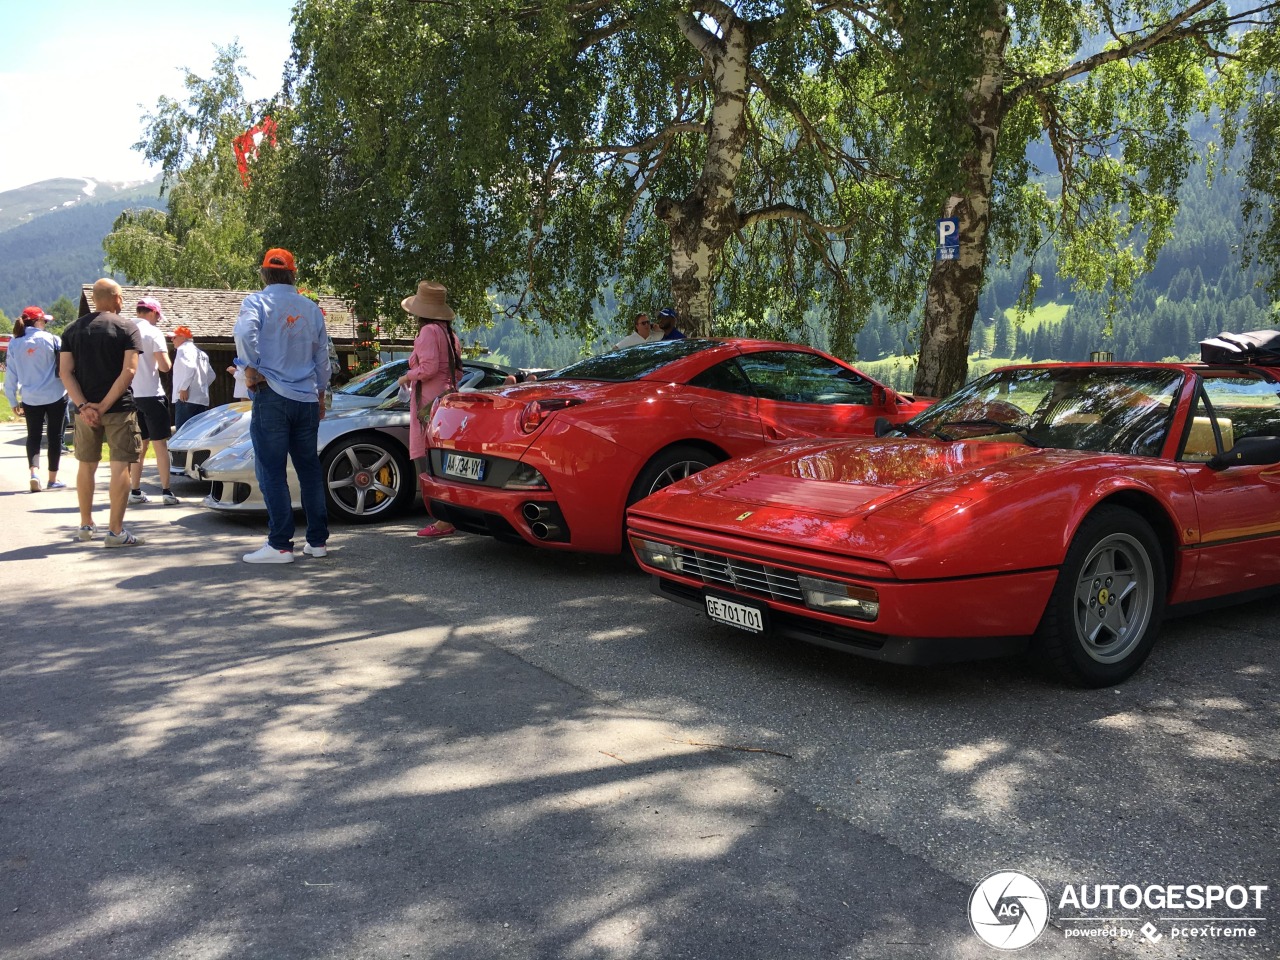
x=192 y=375
x=641 y=332
x=148 y=396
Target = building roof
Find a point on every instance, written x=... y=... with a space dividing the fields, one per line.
x=211 y=314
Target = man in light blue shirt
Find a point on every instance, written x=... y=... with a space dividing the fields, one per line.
x=282 y=343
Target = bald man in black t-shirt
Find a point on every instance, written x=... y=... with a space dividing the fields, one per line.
x=98 y=360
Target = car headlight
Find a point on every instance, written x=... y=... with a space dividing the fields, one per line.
x=660 y=555
x=832 y=596
x=524 y=477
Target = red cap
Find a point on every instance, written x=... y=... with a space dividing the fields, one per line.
x=278 y=258
x=182 y=332
x=33 y=313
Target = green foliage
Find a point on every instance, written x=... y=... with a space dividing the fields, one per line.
x=539 y=154
x=212 y=232
x=1258 y=73
x=63 y=311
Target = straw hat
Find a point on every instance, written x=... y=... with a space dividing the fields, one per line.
x=430 y=302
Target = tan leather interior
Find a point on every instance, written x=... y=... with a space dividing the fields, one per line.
x=1201 y=443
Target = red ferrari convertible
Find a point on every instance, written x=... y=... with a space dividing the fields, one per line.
x=1065 y=508
x=556 y=462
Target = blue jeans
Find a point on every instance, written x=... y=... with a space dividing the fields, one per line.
x=283 y=430
x=184 y=410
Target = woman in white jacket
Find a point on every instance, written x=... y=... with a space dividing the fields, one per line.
x=32 y=371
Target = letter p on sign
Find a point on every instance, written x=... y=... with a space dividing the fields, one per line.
x=948 y=238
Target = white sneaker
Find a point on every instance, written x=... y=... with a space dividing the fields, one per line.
x=311 y=551
x=88 y=533
x=268 y=554
x=139 y=498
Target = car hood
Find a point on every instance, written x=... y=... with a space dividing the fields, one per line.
x=214 y=422
x=923 y=507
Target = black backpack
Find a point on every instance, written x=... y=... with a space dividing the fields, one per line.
x=1258 y=346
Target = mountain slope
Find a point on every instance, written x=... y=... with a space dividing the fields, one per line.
x=24 y=204
x=48 y=254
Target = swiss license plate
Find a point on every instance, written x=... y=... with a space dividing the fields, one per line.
x=467 y=468
x=735 y=614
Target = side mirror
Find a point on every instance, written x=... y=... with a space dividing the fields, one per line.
x=879 y=396
x=1248 y=452
x=883 y=426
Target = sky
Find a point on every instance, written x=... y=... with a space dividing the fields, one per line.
x=77 y=76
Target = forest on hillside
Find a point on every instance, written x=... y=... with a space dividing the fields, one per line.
x=52 y=255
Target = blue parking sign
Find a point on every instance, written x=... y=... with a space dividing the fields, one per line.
x=949 y=238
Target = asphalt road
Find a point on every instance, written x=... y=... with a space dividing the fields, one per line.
x=459 y=749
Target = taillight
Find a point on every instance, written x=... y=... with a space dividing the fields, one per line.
x=536 y=411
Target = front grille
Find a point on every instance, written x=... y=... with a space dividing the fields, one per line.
x=178 y=461
x=199 y=457
x=717 y=570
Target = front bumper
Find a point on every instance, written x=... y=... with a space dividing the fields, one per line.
x=917 y=651
x=184 y=461
x=926 y=621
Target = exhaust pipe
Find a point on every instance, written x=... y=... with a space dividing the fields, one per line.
x=545 y=531
x=535 y=511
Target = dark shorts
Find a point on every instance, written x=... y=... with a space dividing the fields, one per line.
x=120 y=430
x=153 y=418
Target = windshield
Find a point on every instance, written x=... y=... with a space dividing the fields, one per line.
x=633 y=362
x=373 y=383
x=1100 y=409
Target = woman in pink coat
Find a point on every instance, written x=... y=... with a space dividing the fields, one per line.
x=434 y=368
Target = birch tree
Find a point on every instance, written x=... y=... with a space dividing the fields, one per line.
x=1112 y=90
x=702 y=154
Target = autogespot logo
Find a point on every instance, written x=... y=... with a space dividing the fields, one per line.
x=1008 y=910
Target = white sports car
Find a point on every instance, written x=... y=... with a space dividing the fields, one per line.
x=364 y=456
x=214 y=430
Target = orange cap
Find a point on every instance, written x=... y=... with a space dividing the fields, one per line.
x=183 y=332
x=278 y=258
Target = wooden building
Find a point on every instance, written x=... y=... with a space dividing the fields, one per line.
x=211 y=315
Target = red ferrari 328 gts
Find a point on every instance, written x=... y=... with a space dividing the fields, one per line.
x=1064 y=507
x=556 y=462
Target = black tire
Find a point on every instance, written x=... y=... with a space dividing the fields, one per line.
x=668 y=466
x=367 y=477
x=1105 y=610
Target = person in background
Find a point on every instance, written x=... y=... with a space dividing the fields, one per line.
x=667 y=320
x=641 y=332
x=32 y=373
x=434 y=367
x=148 y=394
x=98 y=360
x=192 y=377
x=283 y=345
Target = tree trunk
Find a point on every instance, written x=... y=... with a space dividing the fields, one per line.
x=951 y=298
x=700 y=224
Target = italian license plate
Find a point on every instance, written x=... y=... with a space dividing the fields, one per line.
x=466 y=468
x=735 y=614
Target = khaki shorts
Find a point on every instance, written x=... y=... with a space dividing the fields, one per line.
x=120 y=430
